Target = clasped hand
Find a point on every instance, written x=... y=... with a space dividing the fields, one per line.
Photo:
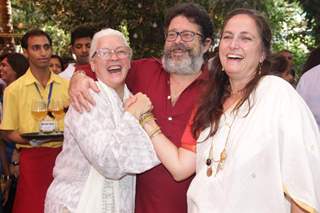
x=138 y=104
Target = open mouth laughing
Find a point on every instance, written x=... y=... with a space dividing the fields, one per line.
x=234 y=57
x=114 y=69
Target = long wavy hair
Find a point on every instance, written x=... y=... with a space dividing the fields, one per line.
x=210 y=109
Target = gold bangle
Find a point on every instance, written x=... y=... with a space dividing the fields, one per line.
x=155 y=132
x=145 y=117
x=144 y=121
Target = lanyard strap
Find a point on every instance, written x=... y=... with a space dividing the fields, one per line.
x=50 y=92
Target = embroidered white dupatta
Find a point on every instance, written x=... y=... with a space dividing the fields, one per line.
x=99 y=194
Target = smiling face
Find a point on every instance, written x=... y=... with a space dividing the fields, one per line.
x=241 y=49
x=7 y=73
x=111 y=70
x=184 y=57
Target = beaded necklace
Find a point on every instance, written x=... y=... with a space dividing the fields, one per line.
x=223 y=155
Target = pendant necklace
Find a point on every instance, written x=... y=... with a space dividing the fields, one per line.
x=223 y=155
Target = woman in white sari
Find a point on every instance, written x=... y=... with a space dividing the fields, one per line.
x=105 y=147
x=253 y=141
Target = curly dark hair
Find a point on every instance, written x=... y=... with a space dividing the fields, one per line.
x=194 y=13
x=210 y=109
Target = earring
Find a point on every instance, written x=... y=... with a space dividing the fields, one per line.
x=222 y=69
x=259 y=68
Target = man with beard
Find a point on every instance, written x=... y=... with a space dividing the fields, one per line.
x=173 y=84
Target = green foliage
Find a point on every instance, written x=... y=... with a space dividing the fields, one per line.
x=312 y=12
x=27 y=15
x=290 y=30
x=60 y=40
x=218 y=9
x=142 y=20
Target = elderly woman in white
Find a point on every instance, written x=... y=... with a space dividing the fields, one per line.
x=105 y=147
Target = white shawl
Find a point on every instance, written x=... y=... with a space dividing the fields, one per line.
x=100 y=194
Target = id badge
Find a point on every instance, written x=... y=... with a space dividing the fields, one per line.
x=47 y=126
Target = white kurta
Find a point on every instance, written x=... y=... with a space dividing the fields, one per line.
x=272 y=151
x=113 y=143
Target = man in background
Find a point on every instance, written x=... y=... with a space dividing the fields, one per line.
x=37 y=84
x=80 y=45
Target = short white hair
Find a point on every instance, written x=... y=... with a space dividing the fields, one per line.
x=103 y=33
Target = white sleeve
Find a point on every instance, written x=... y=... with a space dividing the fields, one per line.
x=299 y=141
x=301 y=86
x=112 y=149
x=68 y=72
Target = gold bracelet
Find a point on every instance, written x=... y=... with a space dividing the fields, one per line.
x=155 y=132
x=149 y=118
x=145 y=117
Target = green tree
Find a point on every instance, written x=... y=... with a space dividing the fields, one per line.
x=312 y=11
x=291 y=30
x=143 y=20
x=28 y=15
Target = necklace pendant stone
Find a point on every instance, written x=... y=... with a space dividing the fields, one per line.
x=223 y=155
x=208 y=162
x=209 y=171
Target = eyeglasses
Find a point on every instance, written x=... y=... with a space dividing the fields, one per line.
x=185 y=36
x=106 y=53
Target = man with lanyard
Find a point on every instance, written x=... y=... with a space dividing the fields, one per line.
x=80 y=45
x=38 y=83
x=174 y=85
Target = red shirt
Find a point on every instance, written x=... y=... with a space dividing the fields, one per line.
x=157 y=191
x=187 y=140
x=87 y=69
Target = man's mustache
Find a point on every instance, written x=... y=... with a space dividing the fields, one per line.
x=180 y=47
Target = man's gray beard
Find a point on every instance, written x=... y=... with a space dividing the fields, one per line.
x=187 y=66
